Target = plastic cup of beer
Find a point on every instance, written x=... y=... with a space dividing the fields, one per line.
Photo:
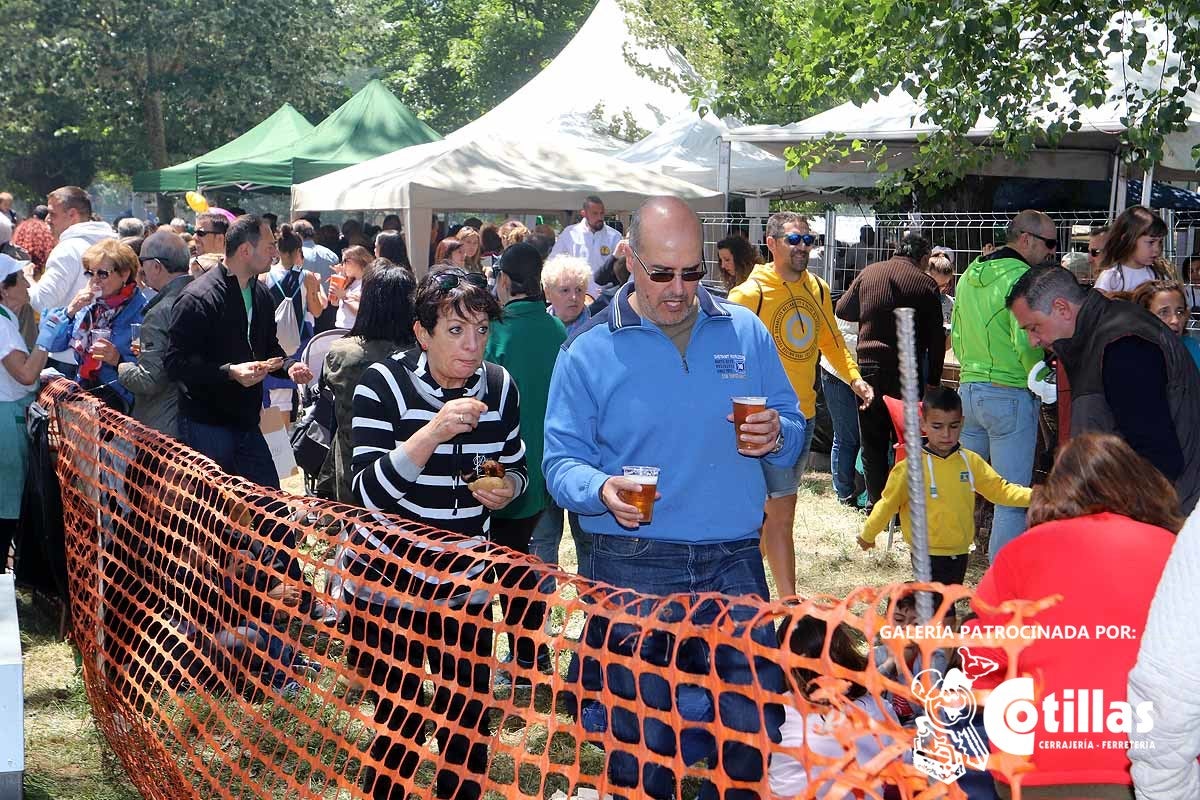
x=743 y=407
x=643 y=498
x=337 y=281
x=99 y=334
x=135 y=343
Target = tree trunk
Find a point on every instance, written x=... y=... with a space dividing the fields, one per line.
x=156 y=134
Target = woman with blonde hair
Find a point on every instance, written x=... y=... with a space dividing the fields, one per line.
x=512 y=232
x=1133 y=252
x=472 y=248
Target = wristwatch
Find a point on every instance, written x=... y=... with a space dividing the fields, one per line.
x=778 y=444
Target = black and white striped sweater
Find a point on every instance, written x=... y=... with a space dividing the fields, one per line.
x=397 y=397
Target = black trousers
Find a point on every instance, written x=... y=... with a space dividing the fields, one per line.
x=519 y=612
x=876 y=433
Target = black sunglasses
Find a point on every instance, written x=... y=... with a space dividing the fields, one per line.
x=102 y=274
x=797 y=238
x=450 y=279
x=202 y=233
x=1094 y=253
x=1050 y=242
x=662 y=275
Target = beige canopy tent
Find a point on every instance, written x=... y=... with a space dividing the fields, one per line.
x=491 y=173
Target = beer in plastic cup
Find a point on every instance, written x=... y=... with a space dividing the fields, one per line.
x=97 y=334
x=135 y=343
x=742 y=408
x=337 y=281
x=643 y=498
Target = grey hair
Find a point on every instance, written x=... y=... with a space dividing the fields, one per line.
x=780 y=220
x=1041 y=286
x=169 y=248
x=1027 y=221
x=130 y=226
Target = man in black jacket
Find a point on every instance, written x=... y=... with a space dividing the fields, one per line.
x=1130 y=374
x=223 y=343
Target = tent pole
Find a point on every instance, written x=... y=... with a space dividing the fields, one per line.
x=724 y=167
x=1147 y=185
x=1122 y=190
x=1116 y=179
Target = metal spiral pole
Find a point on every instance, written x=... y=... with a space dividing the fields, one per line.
x=910 y=389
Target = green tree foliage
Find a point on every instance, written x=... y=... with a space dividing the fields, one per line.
x=454 y=60
x=732 y=45
x=123 y=85
x=1030 y=66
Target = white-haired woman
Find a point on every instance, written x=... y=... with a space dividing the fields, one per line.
x=565 y=281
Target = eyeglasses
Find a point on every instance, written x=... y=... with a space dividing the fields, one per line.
x=1095 y=253
x=144 y=259
x=807 y=239
x=450 y=279
x=102 y=274
x=663 y=275
x=202 y=233
x=1050 y=242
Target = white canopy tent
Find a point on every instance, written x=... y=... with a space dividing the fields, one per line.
x=689 y=147
x=491 y=172
x=1090 y=153
x=590 y=77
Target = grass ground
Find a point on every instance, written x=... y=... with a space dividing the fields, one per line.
x=66 y=759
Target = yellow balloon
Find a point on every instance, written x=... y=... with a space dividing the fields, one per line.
x=196 y=202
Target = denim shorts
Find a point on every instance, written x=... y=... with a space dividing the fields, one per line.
x=783 y=481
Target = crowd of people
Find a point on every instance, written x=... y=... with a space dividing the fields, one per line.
x=592 y=373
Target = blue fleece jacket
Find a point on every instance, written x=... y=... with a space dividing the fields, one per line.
x=621 y=395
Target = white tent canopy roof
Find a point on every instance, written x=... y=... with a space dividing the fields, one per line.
x=688 y=147
x=897 y=119
x=490 y=173
x=590 y=71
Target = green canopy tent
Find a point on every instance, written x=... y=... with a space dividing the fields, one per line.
x=371 y=123
x=285 y=126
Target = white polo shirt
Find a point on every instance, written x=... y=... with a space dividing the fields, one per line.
x=595 y=246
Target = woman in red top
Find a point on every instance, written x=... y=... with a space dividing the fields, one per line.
x=1101 y=530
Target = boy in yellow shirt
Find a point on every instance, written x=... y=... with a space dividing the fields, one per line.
x=953 y=475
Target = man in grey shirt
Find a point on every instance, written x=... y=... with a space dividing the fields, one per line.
x=164 y=268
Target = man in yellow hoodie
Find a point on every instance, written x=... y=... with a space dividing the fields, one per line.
x=953 y=475
x=795 y=306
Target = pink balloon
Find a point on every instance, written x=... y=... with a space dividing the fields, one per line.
x=227 y=214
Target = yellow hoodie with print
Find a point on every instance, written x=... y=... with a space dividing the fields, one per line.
x=799 y=315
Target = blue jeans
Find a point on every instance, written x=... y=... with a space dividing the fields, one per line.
x=842 y=403
x=238 y=452
x=1000 y=424
x=660 y=568
x=547 y=536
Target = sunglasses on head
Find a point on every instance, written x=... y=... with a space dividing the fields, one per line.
x=102 y=274
x=664 y=275
x=450 y=279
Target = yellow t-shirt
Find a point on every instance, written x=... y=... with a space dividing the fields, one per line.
x=799 y=316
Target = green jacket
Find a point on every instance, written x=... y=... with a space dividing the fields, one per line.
x=526 y=343
x=988 y=342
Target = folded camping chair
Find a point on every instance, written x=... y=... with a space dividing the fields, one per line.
x=313 y=355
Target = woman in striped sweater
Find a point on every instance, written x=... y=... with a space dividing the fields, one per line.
x=423 y=420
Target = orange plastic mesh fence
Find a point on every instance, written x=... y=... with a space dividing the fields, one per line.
x=243 y=642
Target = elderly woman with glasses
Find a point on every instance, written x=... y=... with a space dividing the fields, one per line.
x=100 y=330
x=437 y=440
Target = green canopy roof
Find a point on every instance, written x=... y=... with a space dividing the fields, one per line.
x=371 y=123
x=284 y=127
